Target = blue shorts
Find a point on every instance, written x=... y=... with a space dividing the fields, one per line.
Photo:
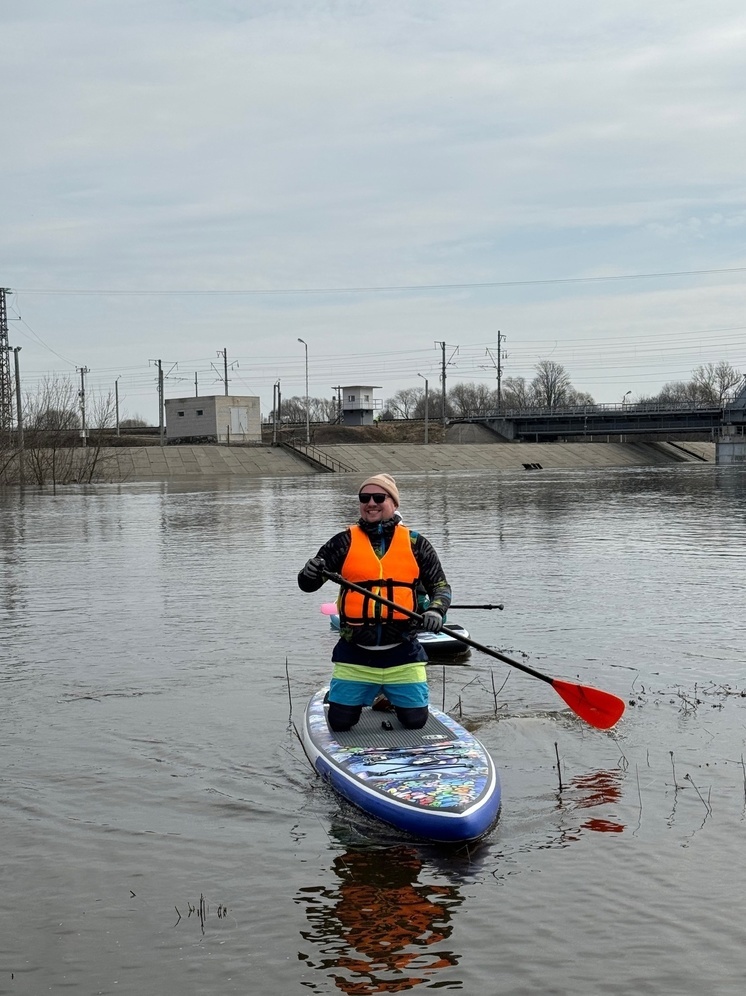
x=403 y=685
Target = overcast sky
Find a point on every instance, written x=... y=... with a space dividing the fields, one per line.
x=180 y=177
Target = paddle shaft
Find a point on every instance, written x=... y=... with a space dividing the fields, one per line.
x=459 y=606
x=338 y=579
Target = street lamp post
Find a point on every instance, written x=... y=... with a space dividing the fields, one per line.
x=425 y=379
x=308 y=410
x=275 y=410
x=624 y=399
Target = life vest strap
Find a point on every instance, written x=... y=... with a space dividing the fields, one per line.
x=373 y=611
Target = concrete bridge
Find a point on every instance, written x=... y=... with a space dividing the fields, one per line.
x=600 y=422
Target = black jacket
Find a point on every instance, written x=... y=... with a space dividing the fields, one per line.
x=432 y=579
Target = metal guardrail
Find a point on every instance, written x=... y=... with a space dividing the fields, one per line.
x=317 y=457
x=545 y=424
x=544 y=411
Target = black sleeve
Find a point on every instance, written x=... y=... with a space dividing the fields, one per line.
x=333 y=553
x=432 y=575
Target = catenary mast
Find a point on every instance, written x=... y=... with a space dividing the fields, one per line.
x=6 y=381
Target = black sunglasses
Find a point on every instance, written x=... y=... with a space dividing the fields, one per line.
x=378 y=498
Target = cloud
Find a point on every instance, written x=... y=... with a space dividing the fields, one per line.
x=187 y=146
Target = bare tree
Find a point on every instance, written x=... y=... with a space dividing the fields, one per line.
x=714 y=381
x=55 y=407
x=678 y=392
x=471 y=399
x=319 y=409
x=419 y=408
x=551 y=385
x=404 y=402
x=55 y=452
x=323 y=409
x=579 y=397
x=515 y=393
x=101 y=410
x=294 y=409
x=711 y=384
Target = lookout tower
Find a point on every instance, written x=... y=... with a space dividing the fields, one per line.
x=358 y=404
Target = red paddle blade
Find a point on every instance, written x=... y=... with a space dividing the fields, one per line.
x=600 y=709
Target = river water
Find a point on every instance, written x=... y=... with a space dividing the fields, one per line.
x=163 y=832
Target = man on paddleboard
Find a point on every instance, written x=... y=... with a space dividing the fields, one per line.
x=378 y=651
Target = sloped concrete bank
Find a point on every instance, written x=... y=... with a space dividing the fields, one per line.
x=155 y=463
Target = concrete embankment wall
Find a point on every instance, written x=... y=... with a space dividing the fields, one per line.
x=392 y=458
x=154 y=463
x=159 y=463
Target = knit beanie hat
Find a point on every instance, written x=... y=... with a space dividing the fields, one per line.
x=386 y=483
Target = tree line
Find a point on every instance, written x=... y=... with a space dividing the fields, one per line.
x=53 y=445
x=53 y=417
x=551 y=387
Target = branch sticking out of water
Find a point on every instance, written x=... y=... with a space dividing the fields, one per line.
x=639 y=796
x=624 y=763
x=201 y=911
x=673 y=768
x=494 y=692
x=290 y=697
x=559 y=772
x=705 y=802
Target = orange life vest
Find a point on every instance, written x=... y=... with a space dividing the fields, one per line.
x=394 y=577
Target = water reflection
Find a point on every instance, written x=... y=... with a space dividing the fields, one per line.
x=598 y=788
x=378 y=928
x=12 y=539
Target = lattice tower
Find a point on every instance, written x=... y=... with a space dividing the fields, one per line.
x=6 y=381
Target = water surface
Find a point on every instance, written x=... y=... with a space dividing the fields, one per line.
x=163 y=832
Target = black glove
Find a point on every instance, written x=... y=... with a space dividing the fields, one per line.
x=432 y=621
x=314 y=568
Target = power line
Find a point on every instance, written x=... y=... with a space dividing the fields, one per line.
x=386 y=288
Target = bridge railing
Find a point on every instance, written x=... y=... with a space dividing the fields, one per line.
x=543 y=411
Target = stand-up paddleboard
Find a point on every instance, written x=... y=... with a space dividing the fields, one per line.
x=438 y=783
x=444 y=644
x=435 y=644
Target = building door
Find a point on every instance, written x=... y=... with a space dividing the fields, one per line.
x=239 y=421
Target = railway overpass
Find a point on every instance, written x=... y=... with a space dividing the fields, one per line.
x=601 y=422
